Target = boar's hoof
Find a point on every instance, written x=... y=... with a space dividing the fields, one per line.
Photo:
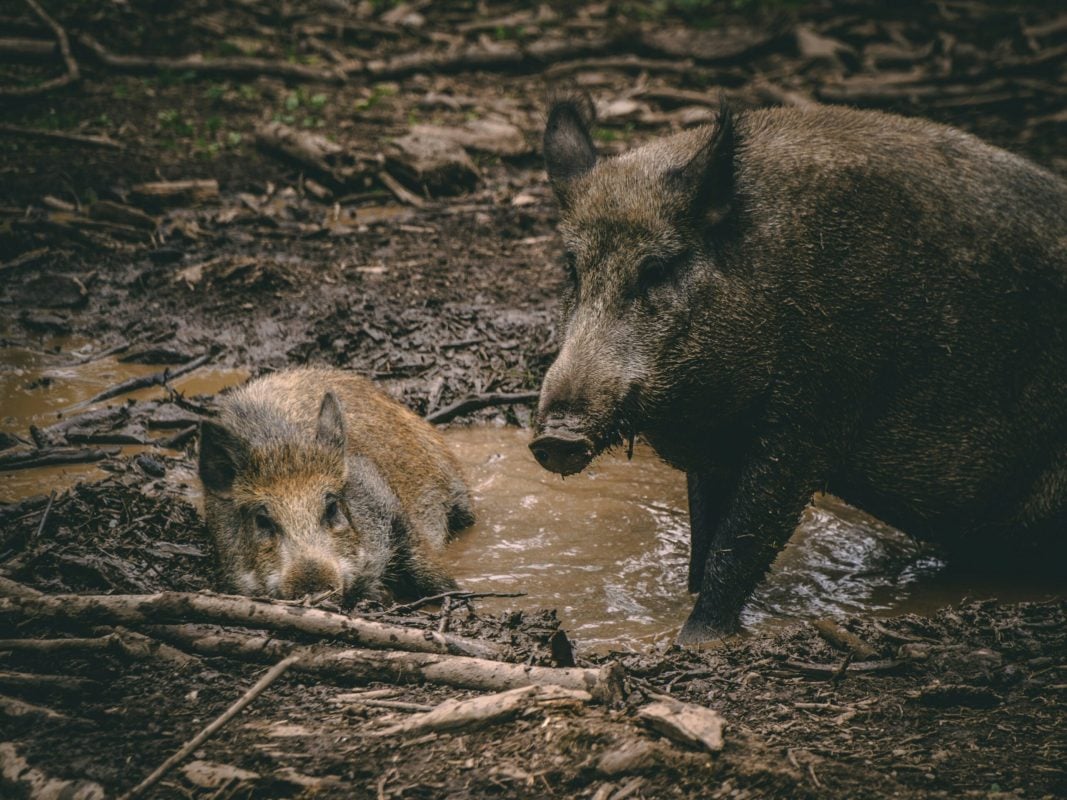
x=562 y=452
x=699 y=630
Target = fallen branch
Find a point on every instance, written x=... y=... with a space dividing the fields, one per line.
x=60 y=136
x=476 y=712
x=123 y=643
x=605 y=683
x=19 y=49
x=233 y=66
x=498 y=56
x=400 y=192
x=843 y=639
x=437 y=598
x=11 y=707
x=72 y=74
x=47 y=683
x=475 y=402
x=829 y=671
x=162 y=192
x=145 y=381
x=257 y=688
x=35 y=785
x=53 y=456
x=192 y=607
x=627 y=63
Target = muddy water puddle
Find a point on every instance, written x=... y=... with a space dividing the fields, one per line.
x=609 y=550
x=45 y=385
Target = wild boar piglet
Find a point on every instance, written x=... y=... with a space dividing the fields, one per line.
x=314 y=481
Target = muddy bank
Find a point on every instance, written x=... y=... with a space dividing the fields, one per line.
x=439 y=289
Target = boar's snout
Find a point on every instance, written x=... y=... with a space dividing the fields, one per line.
x=560 y=449
x=310 y=576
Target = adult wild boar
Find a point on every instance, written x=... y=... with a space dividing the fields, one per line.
x=831 y=300
x=314 y=480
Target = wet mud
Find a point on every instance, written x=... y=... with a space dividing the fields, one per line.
x=440 y=298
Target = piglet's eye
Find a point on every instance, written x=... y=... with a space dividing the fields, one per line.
x=265 y=525
x=332 y=514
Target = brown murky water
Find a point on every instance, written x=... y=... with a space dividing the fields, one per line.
x=608 y=549
x=41 y=386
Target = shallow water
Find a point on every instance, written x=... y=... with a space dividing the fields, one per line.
x=42 y=386
x=609 y=550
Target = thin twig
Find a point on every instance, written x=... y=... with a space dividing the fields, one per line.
x=44 y=521
x=72 y=74
x=268 y=678
x=239 y=65
x=60 y=136
x=401 y=192
x=155 y=379
x=475 y=402
x=457 y=595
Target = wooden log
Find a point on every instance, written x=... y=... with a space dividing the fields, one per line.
x=477 y=712
x=47 y=683
x=33 y=784
x=19 y=49
x=12 y=707
x=605 y=684
x=192 y=607
x=175 y=192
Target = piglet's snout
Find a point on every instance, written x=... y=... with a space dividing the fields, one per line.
x=310 y=576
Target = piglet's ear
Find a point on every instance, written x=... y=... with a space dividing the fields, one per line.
x=707 y=179
x=222 y=456
x=330 y=431
x=569 y=151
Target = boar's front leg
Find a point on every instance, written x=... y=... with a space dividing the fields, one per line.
x=774 y=487
x=709 y=494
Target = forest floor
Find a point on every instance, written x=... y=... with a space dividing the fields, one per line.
x=406 y=232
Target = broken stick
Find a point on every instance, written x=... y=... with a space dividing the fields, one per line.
x=476 y=712
x=475 y=402
x=192 y=607
x=72 y=74
x=605 y=683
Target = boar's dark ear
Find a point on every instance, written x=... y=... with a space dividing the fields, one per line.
x=222 y=456
x=330 y=431
x=707 y=179
x=569 y=151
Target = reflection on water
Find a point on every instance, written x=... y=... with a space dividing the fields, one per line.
x=609 y=549
x=42 y=386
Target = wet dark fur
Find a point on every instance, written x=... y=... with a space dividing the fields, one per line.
x=793 y=301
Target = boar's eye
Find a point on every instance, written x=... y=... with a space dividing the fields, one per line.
x=570 y=264
x=332 y=514
x=655 y=270
x=265 y=526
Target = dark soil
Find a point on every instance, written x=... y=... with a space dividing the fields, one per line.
x=291 y=264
